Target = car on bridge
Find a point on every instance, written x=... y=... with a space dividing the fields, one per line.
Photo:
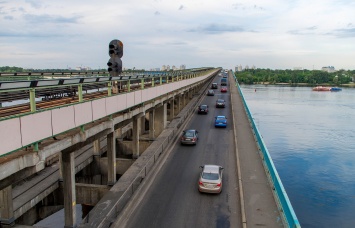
x=189 y=137
x=210 y=179
x=214 y=85
x=224 y=89
x=220 y=121
x=220 y=103
x=202 y=109
x=210 y=92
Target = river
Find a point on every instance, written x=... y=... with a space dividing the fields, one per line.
x=311 y=138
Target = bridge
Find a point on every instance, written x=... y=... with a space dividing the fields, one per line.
x=116 y=153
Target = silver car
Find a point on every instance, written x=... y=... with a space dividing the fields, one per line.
x=189 y=137
x=210 y=179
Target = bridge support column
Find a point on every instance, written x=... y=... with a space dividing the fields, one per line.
x=111 y=158
x=68 y=172
x=160 y=119
x=151 y=124
x=6 y=207
x=135 y=136
x=178 y=104
x=142 y=125
x=172 y=110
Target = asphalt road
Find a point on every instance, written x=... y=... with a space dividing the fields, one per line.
x=173 y=199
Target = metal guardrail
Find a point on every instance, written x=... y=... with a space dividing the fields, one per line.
x=284 y=203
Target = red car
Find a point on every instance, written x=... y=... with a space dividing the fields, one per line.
x=223 y=89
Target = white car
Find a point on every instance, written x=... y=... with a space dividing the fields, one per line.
x=210 y=179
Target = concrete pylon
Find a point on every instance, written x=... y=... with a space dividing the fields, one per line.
x=6 y=207
x=172 y=110
x=111 y=158
x=151 y=124
x=160 y=120
x=135 y=135
x=68 y=172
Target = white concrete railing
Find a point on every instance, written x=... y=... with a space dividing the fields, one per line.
x=18 y=132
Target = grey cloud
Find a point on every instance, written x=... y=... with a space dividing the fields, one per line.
x=27 y=34
x=45 y=18
x=344 y=33
x=156 y=13
x=181 y=7
x=246 y=7
x=35 y=4
x=306 y=31
x=217 y=28
x=8 y=18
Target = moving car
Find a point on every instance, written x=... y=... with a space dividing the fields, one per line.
x=220 y=103
x=223 y=89
x=210 y=179
x=223 y=82
x=220 y=121
x=189 y=137
x=210 y=92
x=202 y=109
x=214 y=85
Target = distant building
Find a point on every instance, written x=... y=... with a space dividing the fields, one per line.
x=182 y=67
x=163 y=68
x=329 y=69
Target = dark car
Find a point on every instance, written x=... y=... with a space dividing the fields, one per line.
x=220 y=103
x=214 y=85
x=202 y=109
x=210 y=92
x=189 y=137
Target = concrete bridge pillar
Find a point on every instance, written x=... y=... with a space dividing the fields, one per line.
x=178 y=104
x=142 y=125
x=68 y=172
x=111 y=158
x=135 y=135
x=160 y=120
x=151 y=124
x=172 y=110
x=6 y=207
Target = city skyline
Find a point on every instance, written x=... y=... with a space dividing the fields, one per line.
x=271 y=34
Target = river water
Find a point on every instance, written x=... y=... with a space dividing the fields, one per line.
x=311 y=138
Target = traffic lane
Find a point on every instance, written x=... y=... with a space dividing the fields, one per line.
x=174 y=200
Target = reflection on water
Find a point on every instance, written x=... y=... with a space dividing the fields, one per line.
x=310 y=136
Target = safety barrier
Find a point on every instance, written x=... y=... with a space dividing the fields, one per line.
x=284 y=203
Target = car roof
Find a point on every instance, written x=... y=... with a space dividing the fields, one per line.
x=220 y=100
x=214 y=83
x=211 y=168
x=190 y=130
x=221 y=116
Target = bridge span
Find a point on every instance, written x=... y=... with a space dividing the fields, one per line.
x=126 y=169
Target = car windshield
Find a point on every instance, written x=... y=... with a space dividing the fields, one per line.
x=203 y=106
x=220 y=118
x=210 y=176
x=220 y=100
x=189 y=134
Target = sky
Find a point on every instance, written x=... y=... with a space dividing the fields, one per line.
x=275 y=34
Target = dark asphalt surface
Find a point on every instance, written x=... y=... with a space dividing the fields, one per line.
x=173 y=200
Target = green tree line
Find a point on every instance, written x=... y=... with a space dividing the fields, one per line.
x=310 y=77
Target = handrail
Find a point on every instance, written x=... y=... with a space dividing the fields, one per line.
x=284 y=203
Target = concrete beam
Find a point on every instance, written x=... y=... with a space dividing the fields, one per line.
x=90 y=194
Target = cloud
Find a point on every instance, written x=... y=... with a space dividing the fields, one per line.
x=46 y=18
x=181 y=7
x=217 y=28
